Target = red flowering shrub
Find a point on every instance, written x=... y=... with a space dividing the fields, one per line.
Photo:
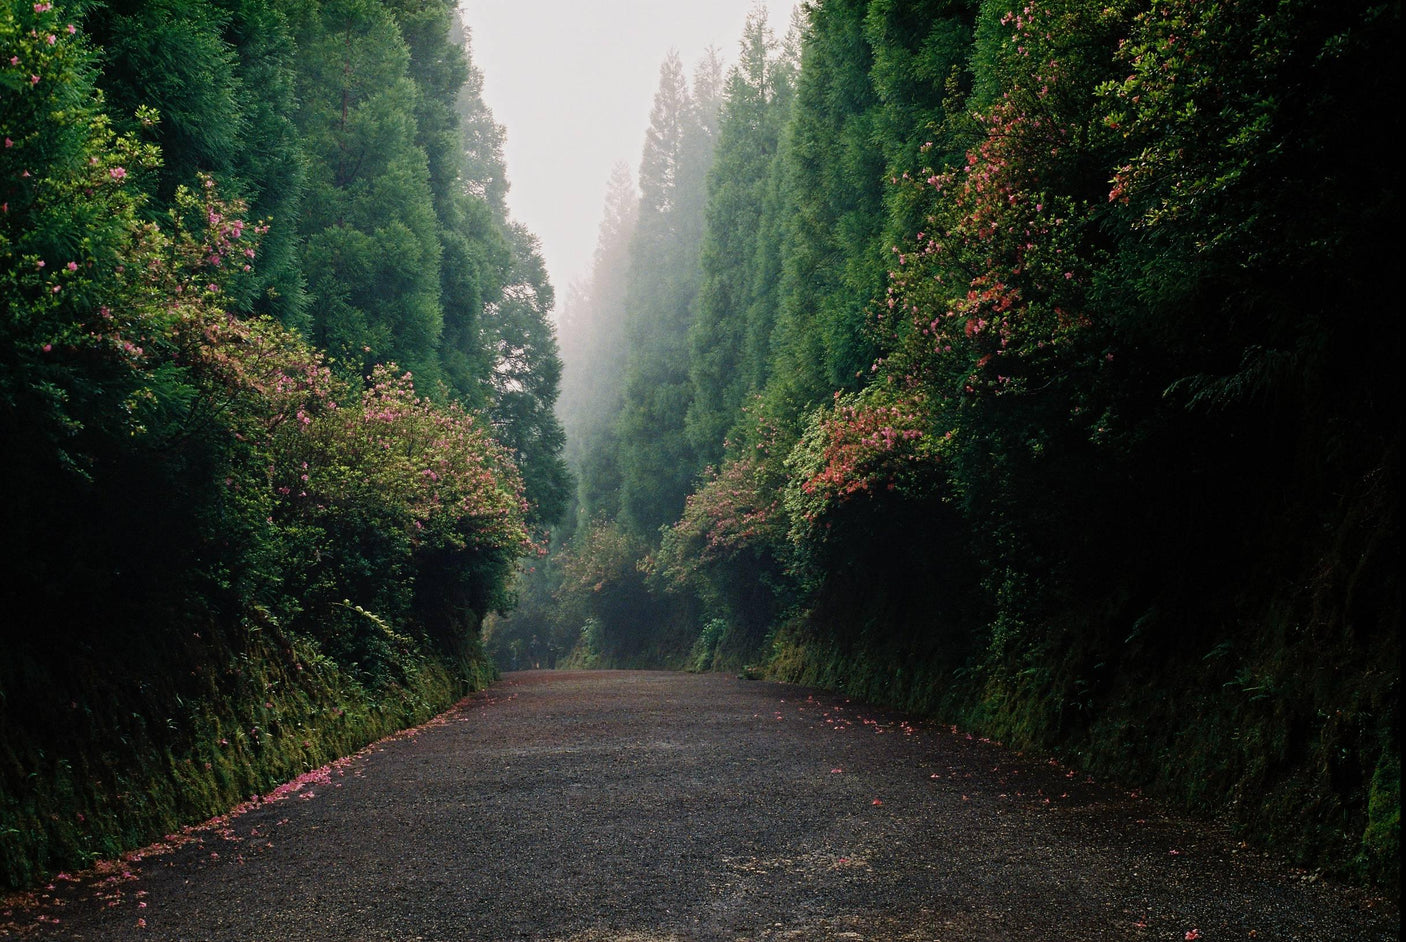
x=864 y=445
x=735 y=512
x=991 y=297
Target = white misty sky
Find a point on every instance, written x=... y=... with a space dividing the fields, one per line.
x=573 y=81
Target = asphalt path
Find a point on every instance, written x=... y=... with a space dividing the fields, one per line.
x=659 y=807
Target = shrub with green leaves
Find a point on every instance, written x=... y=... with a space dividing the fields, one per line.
x=224 y=564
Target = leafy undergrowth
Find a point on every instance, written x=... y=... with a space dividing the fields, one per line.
x=131 y=740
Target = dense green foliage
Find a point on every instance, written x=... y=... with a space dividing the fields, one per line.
x=660 y=295
x=1031 y=366
x=240 y=540
x=1039 y=371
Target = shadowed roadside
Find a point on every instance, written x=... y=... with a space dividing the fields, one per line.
x=640 y=806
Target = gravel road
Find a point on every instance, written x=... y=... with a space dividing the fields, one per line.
x=658 y=807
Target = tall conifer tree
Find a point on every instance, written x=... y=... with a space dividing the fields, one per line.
x=595 y=351
x=756 y=103
x=832 y=204
x=657 y=463
x=526 y=376
x=372 y=251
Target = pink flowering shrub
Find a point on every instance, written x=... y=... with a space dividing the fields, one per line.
x=364 y=491
x=991 y=297
x=306 y=494
x=734 y=514
x=862 y=447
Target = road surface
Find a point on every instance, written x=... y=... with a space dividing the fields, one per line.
x=658 y=807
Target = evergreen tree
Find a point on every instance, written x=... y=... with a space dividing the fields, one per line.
x=921 y=51
x=439 y=67
x=484 y=171
x=592 y=320
x=756 y=104
x=473 y=231
x=268 y=165
x=472 y=228
x=172 y=55
x=764 y=292
x=833 y=261
x=372 y=252
x=657 y=463
x=525 y=378
x=595 y=353
x=219 y=75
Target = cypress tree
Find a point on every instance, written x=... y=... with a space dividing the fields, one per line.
x=657 y=462
x=756 y=103
x=372 y=252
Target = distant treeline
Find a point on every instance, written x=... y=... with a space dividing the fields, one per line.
x=1036 y=365
x=276 y=389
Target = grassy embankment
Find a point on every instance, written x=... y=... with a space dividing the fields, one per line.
x=109 y=748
